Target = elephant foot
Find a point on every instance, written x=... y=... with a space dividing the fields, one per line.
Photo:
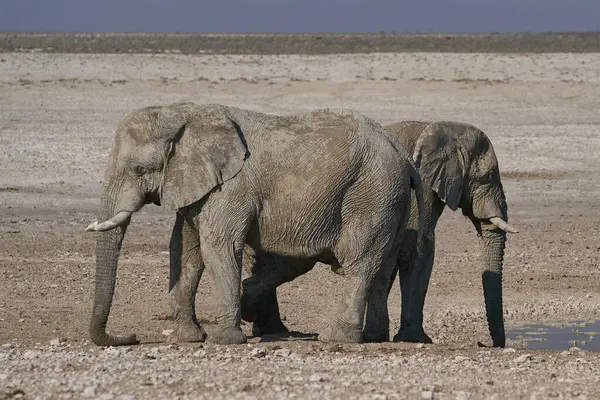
x=375 y=337
x=187 y=333
x=268 y=328
x=337 y=334
x=113 y=340
x=412 y=336
x=228 y=335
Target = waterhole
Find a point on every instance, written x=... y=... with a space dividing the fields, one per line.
x=585 y=335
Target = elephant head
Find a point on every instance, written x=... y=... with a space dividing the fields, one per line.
x=458 y=162
x=169 y=155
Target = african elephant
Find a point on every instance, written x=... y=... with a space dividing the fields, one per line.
x=458 y=168
x=290 y=186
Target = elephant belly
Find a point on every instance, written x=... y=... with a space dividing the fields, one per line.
x=288 y=231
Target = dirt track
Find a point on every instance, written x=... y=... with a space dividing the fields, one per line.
x=57 y=119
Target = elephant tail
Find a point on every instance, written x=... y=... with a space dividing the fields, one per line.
x=417 y=186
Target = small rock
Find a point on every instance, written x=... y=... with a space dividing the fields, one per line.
x=336 y=348
x=57 y=341
x=575 y=349
x=200 y=353
x=522 y=359
x=258 y=352
x=30 y=354
x=167 y=332
x=420 y=346
x=13 y=394
x=8 y=345
x=154 y=350
x=89 y=391
x=283 y=352
x=509 y=350
x=565 y=353
x=317 y=378
x=427 y=394
x=460 y=358
x=112 y=351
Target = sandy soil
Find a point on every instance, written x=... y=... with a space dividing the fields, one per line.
x=57 y=118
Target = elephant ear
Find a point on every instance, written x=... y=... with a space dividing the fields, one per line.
x=207 y=151
x=441 y=162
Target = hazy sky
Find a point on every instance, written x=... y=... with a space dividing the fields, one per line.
x=299 y=15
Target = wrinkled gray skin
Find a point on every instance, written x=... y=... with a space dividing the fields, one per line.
x=459 y=169
x=290 y=187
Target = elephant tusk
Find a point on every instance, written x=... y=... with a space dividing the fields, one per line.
x=118 y=220
x=500 y=223
x=92 y=227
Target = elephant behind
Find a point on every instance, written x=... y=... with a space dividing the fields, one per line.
x=459 y=169
x=289 y=187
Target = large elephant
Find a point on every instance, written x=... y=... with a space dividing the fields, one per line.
x=290 y=187
x=458 y=168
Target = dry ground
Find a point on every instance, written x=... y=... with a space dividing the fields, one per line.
x=57 y=118
x=300 y=43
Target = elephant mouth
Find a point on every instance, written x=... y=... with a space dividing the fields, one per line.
x=122 y=218
x=155 y=199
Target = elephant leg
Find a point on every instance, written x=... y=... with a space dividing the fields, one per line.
x=362 y=276
x=259 y=296
x=268 y=318
x=185 y=270
x=223 y=263
x=414 y=281
x=377 y=322
x=346 y=327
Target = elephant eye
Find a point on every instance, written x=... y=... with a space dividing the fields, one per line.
x=138 y=170
x=486 y=178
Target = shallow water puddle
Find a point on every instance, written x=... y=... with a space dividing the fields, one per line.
x=585 y=335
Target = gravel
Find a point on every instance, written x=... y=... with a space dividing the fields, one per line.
x=297 y=371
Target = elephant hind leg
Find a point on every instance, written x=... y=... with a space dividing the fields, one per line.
x=370 y=271
x=268 y=319
x=377 y=322
x=259 y=296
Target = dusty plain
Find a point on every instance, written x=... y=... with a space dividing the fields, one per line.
x=58 y=112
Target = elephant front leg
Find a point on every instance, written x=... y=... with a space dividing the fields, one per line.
x=223 y=263
x=414 y=282
x=185 y=271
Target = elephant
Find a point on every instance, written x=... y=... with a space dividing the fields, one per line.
x=459 y=169
x=290 y=187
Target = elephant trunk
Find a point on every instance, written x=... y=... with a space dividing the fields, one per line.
x=494 y=242
x=108 y=247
